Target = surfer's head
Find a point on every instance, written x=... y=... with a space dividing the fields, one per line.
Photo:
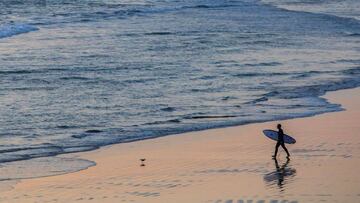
x=279 y=126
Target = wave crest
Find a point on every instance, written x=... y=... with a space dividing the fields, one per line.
x=9 y=30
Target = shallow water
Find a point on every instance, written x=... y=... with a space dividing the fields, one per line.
x=79 y=74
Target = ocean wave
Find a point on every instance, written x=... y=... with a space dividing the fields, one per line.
x=313 y=90
x=353 y=34
x=345 y=9
x=257 y=74
x=171 y=121
x=214 y=6
x=159 y=33
x=104 y=11
x=263 y=64
x=10 y=30
x=211 y=117
x=74 y=78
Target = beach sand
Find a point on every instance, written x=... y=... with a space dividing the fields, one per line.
x=230 y=165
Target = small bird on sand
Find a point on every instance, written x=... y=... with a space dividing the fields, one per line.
x=142 y=162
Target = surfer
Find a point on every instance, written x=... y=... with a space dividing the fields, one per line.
x=280 y=142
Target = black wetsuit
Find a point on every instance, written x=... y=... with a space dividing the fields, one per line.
x=281 y=136
x=281 y=143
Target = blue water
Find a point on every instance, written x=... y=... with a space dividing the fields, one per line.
x=79 y=74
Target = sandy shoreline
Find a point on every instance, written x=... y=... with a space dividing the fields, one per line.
x=229 y=165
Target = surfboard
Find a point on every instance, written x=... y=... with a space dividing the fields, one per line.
x=272 y=134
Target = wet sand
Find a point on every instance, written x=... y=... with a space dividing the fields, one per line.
x=230 y=165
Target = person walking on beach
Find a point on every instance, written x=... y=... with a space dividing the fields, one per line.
x=280 y=142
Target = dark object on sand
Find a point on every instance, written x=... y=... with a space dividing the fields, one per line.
x=281 y=141
x=142 y=162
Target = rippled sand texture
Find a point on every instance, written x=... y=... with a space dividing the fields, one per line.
x=229 y=165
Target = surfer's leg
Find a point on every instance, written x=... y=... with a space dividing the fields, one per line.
x=276 y=149
x=283 y=146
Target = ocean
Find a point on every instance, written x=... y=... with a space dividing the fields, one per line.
x=76 y=75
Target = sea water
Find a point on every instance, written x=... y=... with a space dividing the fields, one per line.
x=79 y=74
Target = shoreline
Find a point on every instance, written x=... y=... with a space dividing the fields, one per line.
x=215 y=126
x=189 y=152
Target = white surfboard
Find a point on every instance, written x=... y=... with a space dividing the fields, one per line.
x=272 y=134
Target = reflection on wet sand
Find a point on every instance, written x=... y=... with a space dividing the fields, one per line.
x=281 y=176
